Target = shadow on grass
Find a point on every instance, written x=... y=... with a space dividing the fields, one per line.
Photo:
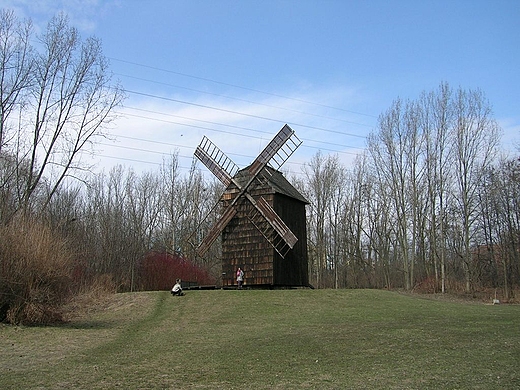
x=88 y=324
x=75 y=324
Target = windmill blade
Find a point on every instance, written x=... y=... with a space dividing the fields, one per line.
x=277 y=152
x=275 y=221
x=263 y=226
x=264 y=212
x=216 y=161
x=215 y=231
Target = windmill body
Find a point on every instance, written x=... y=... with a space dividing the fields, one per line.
x=263 y=222
x=249 y=242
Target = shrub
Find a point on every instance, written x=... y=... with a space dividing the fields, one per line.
x=159 y=270
x=427 y=286
x=35 y=268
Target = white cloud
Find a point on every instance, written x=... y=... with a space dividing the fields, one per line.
x=82 y=13
x=510 y=135
x=153 y=128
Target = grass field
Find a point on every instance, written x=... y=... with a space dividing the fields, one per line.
x=280 y=339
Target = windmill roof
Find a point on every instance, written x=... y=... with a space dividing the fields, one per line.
x=278 y=183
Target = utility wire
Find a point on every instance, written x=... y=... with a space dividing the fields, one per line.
x=240 y=113
x=245 y=100
x=237 y=86
x=182 y=146
x=219 y=131
x=150 y=95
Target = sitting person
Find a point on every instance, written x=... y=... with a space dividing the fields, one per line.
x=177 y=289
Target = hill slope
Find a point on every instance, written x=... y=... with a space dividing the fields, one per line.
x=281 y=339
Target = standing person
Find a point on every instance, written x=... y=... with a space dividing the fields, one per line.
x=240 y=278
x=177 y=289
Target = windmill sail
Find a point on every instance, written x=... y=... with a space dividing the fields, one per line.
x=216 y=161
x=277 y=152
x=215 y=231
x=263 y=216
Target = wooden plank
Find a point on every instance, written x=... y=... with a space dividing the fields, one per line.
x=216 y=161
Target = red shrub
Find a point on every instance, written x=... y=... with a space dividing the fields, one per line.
x=159 y=270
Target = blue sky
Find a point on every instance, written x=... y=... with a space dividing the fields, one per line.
x=237 y=71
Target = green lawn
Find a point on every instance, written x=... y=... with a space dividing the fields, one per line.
x=280 y=339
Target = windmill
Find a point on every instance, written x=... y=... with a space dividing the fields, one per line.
x=245 y=205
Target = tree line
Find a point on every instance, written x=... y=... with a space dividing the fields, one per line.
x=432 y=203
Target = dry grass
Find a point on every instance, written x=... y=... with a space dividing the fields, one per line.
x=92 y=298
x=35 y=268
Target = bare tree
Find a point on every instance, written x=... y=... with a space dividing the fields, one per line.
x=336 y=218
x=323 y=178
x=358 y=237
x=142 y=213
x=15 y=67
x=379 y=231
x=69 y=103
x=499 y=219
x=172 y=203
x=204 y=195
x=437 y=120
x=476 y=138
x=396 y=152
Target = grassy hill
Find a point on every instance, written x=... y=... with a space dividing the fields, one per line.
x=281 y=339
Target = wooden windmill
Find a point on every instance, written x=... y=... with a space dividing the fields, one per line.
x=263 y=223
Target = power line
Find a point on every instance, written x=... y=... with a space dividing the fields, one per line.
x=219 y=124
x=190 y=156
x=238 y=86
x=179 y=166
x=245 y=100
x=127 y=159
x=234 y=112
x=240 y=113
